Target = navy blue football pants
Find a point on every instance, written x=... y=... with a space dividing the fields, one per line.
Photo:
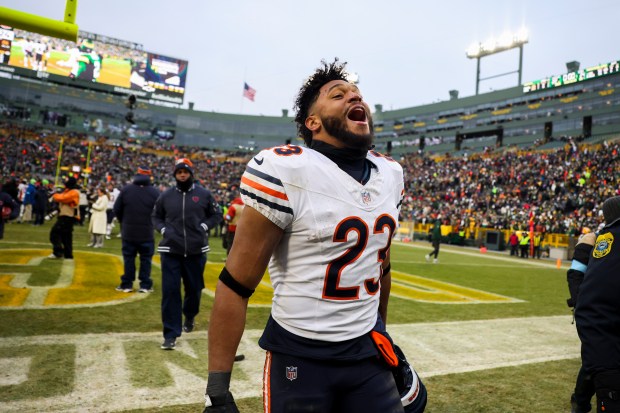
x=174 y=270
x=299 y=385
x=130 y=250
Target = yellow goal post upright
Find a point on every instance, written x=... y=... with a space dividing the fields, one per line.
x=66 y=29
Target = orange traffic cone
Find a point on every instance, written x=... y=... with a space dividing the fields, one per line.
x=558 y=263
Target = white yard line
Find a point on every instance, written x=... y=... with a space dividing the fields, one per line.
x=102 y=378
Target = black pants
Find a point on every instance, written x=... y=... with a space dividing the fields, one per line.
x=177 y=269
x=607 y=385
x=230 y=237
x=83 y=214
x=39 y=216
x=61 y=237
x=435 y=251
x=584 y=391
x=537 y=252
x=130 y=250
x=299 y=385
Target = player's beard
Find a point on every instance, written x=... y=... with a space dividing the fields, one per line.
x=360 y=143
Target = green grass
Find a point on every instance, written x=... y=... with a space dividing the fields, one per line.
x=542 y=291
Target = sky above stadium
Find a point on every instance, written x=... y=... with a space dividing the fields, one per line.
x=405 y=52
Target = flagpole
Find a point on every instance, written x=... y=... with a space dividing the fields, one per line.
x=245 y=72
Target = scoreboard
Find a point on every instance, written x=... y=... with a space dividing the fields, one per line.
x=95 y=61
x=589 y=73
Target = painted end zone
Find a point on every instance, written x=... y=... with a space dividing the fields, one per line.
x=30 y=280
x=413 y=287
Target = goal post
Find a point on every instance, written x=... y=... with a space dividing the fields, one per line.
x=66 y=29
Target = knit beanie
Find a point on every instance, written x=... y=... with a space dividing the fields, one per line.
x=184 y=163
x=611 y=209
x=144 y=170
x=71 y=183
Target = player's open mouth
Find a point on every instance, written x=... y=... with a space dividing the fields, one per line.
x=357 y=114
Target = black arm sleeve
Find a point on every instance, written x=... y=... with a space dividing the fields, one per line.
x=574 y=276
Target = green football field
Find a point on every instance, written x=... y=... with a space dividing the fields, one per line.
x=113 y=71
x=486 y=332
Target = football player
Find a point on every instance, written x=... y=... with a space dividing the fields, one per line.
x=87 y=62
x=321 y=218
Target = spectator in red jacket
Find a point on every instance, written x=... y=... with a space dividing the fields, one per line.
x=513 y=240
x=235 y=210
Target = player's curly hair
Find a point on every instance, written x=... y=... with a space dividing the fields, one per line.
x=310 y=91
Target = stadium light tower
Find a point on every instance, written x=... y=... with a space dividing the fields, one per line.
x=505 y=42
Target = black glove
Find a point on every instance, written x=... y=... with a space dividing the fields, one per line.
x=220 y=404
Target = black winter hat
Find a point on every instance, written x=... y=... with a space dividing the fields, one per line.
x=71 y=183
x=611 y=209
x=184 y=163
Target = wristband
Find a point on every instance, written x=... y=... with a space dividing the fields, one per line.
x=218 y=384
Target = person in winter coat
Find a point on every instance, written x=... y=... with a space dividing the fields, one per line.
x=29 y=200
x=9 y=208
x=133 y=208
x=39 y=208
x=98 y=219
x=232 y=217
x=183 y=215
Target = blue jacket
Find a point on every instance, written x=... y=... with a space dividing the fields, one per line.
x=133 y=208
x=184 y=220
x=29 y=195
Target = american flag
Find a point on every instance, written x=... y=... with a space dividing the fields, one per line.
x=248 y=92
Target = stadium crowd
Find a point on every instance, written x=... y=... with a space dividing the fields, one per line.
x=561 y=190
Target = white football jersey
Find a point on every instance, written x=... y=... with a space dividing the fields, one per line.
x=326 y=271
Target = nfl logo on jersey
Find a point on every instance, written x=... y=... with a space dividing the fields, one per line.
x=366 y=197
x=291 y=373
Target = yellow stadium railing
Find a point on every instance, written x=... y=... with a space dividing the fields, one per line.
x=407 y=229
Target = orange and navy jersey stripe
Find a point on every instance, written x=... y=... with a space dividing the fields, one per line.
x=265 y=189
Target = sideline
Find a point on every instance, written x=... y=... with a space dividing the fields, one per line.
x=493 y=255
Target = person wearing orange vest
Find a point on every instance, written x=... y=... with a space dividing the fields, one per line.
x=233 y=214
